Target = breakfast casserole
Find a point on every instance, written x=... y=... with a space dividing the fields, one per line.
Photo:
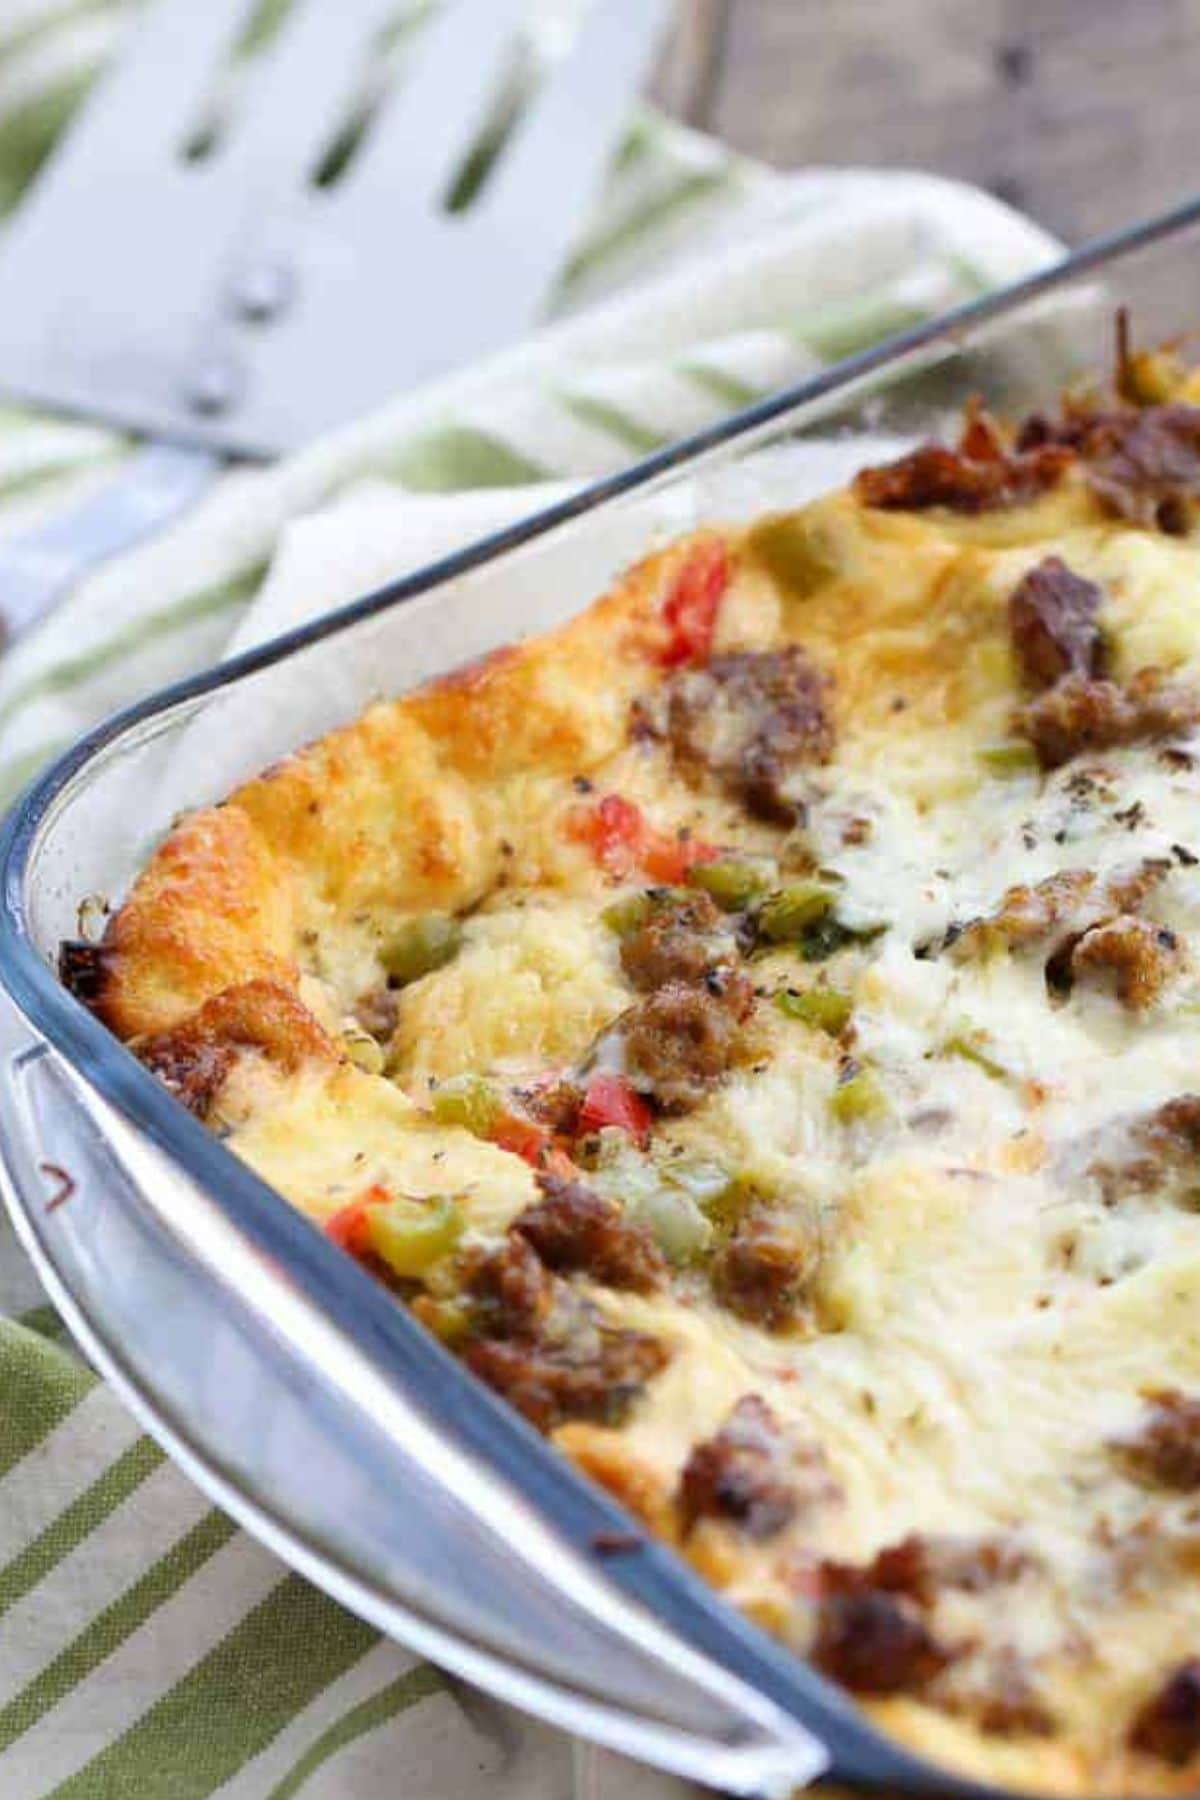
x=757 y=1027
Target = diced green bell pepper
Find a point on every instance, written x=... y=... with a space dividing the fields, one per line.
x=420 y=946
x=364 y=1051
x=1013 y=758
x=963 y=1046
x=732 y=882
x=469 y=1101
x=824 y=1009
x=857 y=1098
x=795 y=551
x=627 y=914
x=787 y=915
x=411 y=1235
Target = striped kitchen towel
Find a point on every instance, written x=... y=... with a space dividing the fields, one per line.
x=148 y=1650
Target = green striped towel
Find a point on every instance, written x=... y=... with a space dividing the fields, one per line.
x=148 y=1649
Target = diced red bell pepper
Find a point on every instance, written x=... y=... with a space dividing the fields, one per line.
x=623 y=841
x=690 y=610
x=348 y=1227
x=668 y=859
x=535 y=1144
x=614 y=830
x=523 y=1137
x=609 y=1100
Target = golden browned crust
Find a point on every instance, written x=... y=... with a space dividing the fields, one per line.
x=194 y=1058
x=399 y=804
x=212 y=909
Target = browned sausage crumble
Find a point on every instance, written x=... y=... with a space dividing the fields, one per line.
x=875 y=1642
x=1168 y=1725
x=546 y=1350
x=1165 y=1449
x=1052 y=619
x=765 y=1271
x=574 y=1230
x=684 y=937
x=1080 y=715
x=983 y=473
x=1138 y=956
x=749 y=1475
x=1142 y=462
x=194 y=1060
x=751 y=720
x=685 y=1039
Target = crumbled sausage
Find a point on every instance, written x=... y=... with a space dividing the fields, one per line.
x=1140 y=957
x=1052 y=620
x=544 y=1348
x=195 y=1058
x=683 y=938
x=81 y=969
x=751 y=719
x=1080 y=715
x=872 y=1633
x=1026 y=915
x=556 y=1104
x=1165 y=1449
x=1173 y=1129
x=1164 y=1152
x=764 y=1272
x=875 y=1642
x=193 y=1069
x=582 y=1370
x=1063 y=905
x=510 y=1288
x=1091 y=926
x=918 y=1566
x=1168 y=1724
x=1141 y=462
x=1126 y=889
x=1144 y=464
x=983 y=474
x=745 y=1473
x=574 y=1230
x=684 y=1040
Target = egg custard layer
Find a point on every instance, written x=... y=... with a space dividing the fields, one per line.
x=757 y=1026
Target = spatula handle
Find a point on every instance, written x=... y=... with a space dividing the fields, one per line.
x=39 y=567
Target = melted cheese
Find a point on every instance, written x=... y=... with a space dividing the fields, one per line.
x=983 y=1324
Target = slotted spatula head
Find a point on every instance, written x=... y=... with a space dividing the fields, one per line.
x=239 y=299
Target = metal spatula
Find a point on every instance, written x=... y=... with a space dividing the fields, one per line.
x=239 y=302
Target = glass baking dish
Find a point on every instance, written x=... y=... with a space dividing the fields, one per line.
x=298 y=1394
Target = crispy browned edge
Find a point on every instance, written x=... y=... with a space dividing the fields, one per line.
x=396 y=805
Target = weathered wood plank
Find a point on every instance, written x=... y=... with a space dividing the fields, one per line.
x=1081 y=111
x=695 y=61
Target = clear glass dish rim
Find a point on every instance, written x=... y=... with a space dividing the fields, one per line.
x=658 y=1579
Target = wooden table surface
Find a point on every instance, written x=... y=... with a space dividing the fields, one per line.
x=1082 y=112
